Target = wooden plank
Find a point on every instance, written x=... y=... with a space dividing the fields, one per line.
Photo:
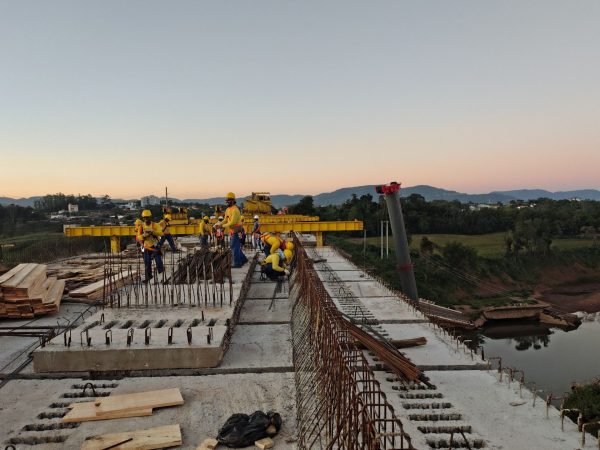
x=12 y=272
x=139 y=400
x=55 y=293
x=88 y=289
x=151 y=438
x=14 y=281
x=34 y=277
x=86 y=412
x=208 y=444
x=265 y=443
x=93 y=288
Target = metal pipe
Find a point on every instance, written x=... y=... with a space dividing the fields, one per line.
x=404 y=265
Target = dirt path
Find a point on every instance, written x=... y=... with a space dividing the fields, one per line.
x=584 y=297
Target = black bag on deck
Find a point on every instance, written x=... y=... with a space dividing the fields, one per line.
x=242 y=430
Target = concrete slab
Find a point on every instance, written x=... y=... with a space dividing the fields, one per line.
x=436 y=353
x=262 y=311
x=362 y=289
x=391 y=309
x=209 y=401
x=121 y=353
x=479 y=401
x=259 y=347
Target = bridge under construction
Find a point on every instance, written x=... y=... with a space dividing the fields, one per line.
x=346 y=361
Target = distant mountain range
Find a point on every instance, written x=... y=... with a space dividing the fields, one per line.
x=428 y=192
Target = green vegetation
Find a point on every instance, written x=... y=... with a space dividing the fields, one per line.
x=454 y=273
x=491 y=245
x=585 y=398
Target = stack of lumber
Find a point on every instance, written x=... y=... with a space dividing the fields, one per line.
x=26 y=292
x=121 y=406
x=158 y=437
x=95 y=291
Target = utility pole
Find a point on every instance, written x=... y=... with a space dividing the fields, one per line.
x=405 y=267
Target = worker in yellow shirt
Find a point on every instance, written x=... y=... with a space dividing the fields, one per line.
x=205 y=232
x=232 y=223
x=271 y=243
x=148 y=235
x=275 y=264
x=165 y=226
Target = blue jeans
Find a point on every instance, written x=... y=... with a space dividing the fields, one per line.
x=239 y=259
x=271 y=273
x=204 y=240
x=148 y=257
x=169 y=239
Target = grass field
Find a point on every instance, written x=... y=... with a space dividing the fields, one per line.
x=487 y=245
x=25 y=238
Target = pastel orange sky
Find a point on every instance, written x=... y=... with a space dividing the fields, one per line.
x=124 y=98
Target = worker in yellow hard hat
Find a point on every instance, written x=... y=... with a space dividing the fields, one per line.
x=275 y=264
x=148 y=235
x=233 y=224
x=289 y=245
x=165 y=226
x=205 y=231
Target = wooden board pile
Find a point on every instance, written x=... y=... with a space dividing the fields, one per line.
x=95 y=291
x=151 y=438
x=121 y=406
x=26 y=292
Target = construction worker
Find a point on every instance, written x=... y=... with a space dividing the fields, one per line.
x=274 y=265
x=219 y=232
x=233 y=224
x=256 y=242
x=206 y=231
x=148 y=234
x=271 y=243
x=166 y=233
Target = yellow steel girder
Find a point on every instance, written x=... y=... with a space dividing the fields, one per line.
x=301 y=227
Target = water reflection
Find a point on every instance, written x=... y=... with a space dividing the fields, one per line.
x=550 y=356
x=523 y=335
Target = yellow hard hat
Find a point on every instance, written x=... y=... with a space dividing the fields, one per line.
x=137 y=222
x=288 y=254
x=230 y=196
x=289 y=245
x=146 y=213
x=205 y=218
x=168 y=216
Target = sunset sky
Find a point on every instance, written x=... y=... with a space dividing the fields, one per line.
x=125 y=97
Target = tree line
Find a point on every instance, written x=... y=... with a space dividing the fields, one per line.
x=530 y=226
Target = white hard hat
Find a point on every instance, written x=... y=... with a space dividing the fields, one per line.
x=256 y=216
x=212 y=217
x=220 y=217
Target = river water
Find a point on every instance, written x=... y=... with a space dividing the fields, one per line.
x=549 y=356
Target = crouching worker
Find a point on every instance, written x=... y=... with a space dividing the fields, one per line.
x=275 y=265
x=148 y=235
x=206 y=232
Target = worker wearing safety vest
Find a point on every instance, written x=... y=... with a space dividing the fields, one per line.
x=205 y=231
x=219 y=233
x=233 y=224
x=275 y=265
x=148 y=234
x=272 y=243
x=256 y=242
x=165 y=226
